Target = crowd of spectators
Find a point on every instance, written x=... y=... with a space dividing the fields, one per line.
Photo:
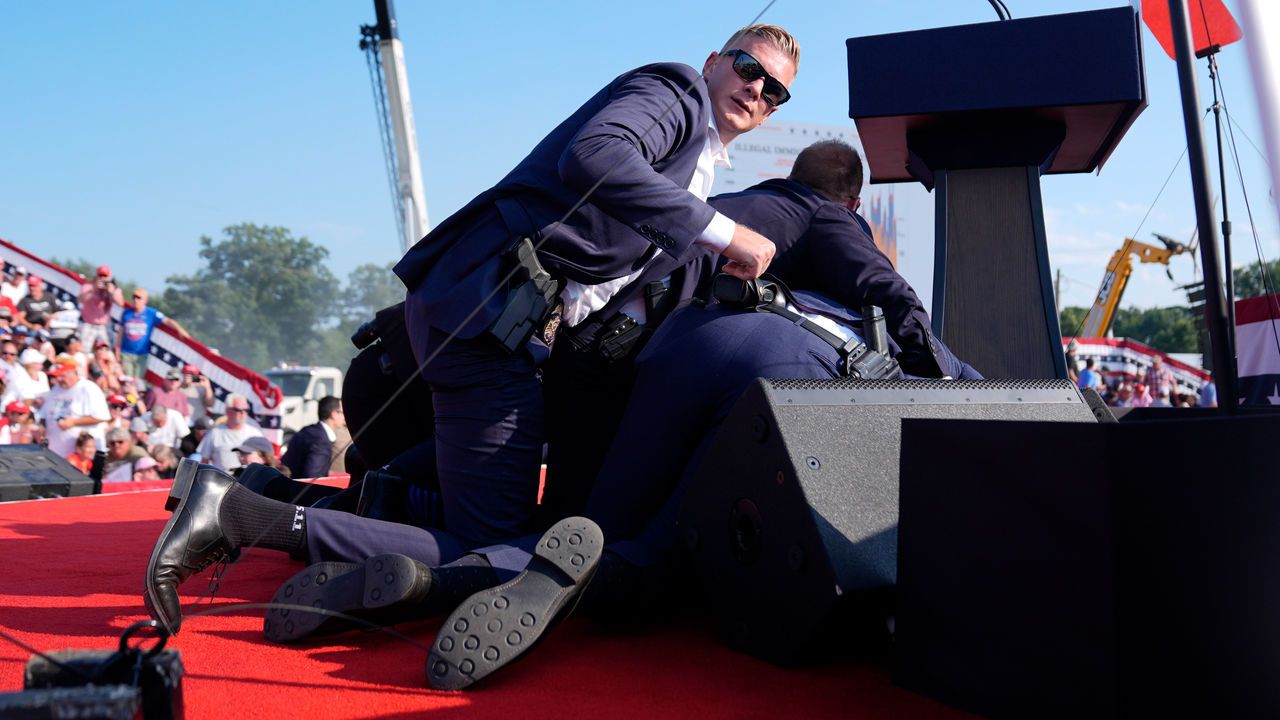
x=1156 y=388
x=72 y=380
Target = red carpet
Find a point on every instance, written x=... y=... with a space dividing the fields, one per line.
x=72 y=578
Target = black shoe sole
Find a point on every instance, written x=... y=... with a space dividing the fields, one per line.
x=182 y=482
x=382 y=590
x=495 y=626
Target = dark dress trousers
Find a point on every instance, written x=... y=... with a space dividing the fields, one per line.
x=688 y=378
x=824 y=246
x=308 y=453
x=698 y=363
x=637 y=143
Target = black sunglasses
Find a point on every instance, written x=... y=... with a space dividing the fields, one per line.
x=750 y=69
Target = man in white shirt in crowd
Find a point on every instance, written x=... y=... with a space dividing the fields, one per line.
x=167 y=427
x=75 y=405
x=218 y=447
x=15 y=284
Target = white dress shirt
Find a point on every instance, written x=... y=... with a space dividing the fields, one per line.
x=581 y=300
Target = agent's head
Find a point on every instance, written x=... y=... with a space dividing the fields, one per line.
x=749 y=78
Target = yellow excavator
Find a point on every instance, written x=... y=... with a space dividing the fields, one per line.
x=1114 y=280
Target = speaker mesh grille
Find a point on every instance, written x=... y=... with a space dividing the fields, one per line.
x=923 y=384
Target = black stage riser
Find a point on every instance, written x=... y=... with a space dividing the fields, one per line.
x=1109 y=570
x=794 y=509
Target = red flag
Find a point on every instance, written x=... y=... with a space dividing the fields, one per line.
x=1211 y=24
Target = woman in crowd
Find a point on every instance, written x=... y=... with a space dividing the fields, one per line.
x=20 y=426
x=259 y=450
x=82 y=458
x=28 y=381
x=145 y=469
x=118 y=406
x=106 y=361
x=166 y=461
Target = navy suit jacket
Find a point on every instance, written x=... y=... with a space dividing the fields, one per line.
x=824 y=246
x=308 y=453
x=639 y=138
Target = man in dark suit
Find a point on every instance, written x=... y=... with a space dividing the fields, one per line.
x=620 y=185
x=617 y=186
x=311 y=448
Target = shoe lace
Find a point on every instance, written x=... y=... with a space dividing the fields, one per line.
x=220 y=563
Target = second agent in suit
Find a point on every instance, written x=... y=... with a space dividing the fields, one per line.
x=824 y=246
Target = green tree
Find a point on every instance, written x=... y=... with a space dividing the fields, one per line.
x=1249 y=280
x=370 y=287
x=1171 y=329
x=1071 y=318
x=263 y=296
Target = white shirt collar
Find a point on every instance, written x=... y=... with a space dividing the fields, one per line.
x=719 y=152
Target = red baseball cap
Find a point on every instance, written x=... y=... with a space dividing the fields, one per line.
x=104 y=271
x=34 y=281
x=190 y=369
x=60 y=369
x=118 y=399
x=17 y=406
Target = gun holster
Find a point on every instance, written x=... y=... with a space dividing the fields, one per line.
x=857 y=359
x=533 y=299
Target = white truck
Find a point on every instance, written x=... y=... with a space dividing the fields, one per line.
x=302 y=388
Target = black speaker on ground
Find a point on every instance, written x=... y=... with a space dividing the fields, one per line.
x=29 y=472
x=792 y=517
x=1108 y=570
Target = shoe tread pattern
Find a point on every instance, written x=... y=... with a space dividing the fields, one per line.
x=494 y=627
x=333 y=586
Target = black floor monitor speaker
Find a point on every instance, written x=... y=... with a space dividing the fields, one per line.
x=792 y=517
x=1101 y=571
x=29 y=472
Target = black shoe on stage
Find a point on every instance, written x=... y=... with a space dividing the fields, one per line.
x=495 y=626
x=191 y=541
x=384 y=590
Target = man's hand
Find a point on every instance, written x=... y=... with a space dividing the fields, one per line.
x=749 y=253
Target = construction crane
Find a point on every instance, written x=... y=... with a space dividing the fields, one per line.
x=385 y=56
x=1116 y=277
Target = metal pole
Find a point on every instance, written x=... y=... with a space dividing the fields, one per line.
x=1229 y=279
x=1215 y=307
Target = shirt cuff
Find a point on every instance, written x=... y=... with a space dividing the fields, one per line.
x=719 y=233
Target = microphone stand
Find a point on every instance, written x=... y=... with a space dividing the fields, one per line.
x=1229 y=282
x=1215 y=305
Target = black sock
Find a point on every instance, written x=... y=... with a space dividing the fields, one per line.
x=248 y=517
x=457 y=581
x=622 y=593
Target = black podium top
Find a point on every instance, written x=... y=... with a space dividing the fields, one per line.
x=1056 y=91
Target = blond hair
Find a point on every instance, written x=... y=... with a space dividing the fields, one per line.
x=780 y=39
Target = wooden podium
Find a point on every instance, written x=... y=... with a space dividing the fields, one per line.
x=977 y=113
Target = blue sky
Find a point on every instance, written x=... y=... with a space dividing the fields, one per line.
x=130 y=130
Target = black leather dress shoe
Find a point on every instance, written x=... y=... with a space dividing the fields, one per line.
x=383 y=590
x=495 y=626
x=191 y=541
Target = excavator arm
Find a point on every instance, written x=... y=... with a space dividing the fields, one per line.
x=1098 y=322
